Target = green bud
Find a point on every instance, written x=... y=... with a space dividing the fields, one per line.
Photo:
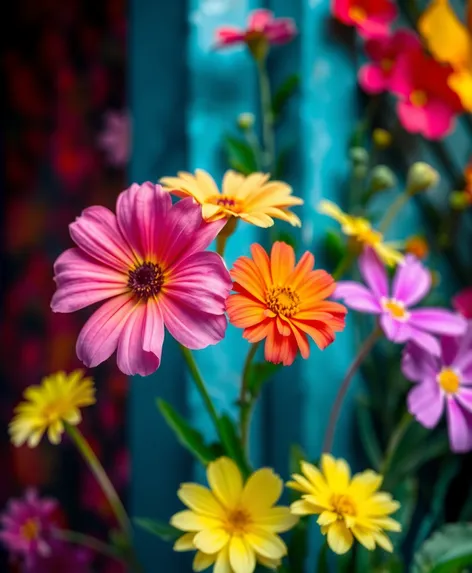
x=359 y=155
x=459 y=200
x=382 y=138
x=421 y=177
x=382 y=178
x=360 y=171
x=246 y=120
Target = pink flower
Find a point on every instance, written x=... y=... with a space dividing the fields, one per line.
x=115 y=139
x=398 y=320
x=150 y=265
x=62 y=558
x=27 y=525
x=427 y=105
x=443 y=382
x=370 y=17
x=462 y=302
x=261 y=25
x=374 y=77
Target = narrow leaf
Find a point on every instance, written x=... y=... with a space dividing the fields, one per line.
x=233 y=445
x=240 y=155
x=259 y=373
x=284 y=92
x=368 y=434
x=160 y=528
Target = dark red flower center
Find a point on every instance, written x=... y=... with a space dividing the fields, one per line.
x=146 y=280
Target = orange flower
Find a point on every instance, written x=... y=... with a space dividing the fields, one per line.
x=283 y=303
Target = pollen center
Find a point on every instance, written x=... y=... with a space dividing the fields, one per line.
x=418 y=98
x=396 y=309
x=30 y=529
x=238 y=521
x=386 y=64
x=343 y=505
x=227 y=202
x=449 y=380
x=357 y=14
x=146 y=280
x=55 y=410
x=283 y=300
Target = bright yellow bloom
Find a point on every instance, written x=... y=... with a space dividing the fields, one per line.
x=253 y=199
x=48 y=405
x=347 y=508
x=450 y=41
x=361 y=230
x=233 y=525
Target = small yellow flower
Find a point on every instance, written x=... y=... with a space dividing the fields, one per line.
x=361 y=230
x=56 y=400
x=347 y=508
x=233 y=525
x=382 y=138
x=253 y=199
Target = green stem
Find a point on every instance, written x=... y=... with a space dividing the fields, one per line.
x=336 y=410
x=246 y=402
x=394 y=442
x=268 y=137
x=92 y=543
x=221 y=244
x=393 y=211
x=343 y=265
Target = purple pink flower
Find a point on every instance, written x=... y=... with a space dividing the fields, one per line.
x=462 y=302
x=370 y=17
x=115 y=139
x=398 y=320
x=62 y=558
x=443 y=382
x=147 y=263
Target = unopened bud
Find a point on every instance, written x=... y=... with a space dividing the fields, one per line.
x=359 y=155
x=382 y=138
x=418 y=246
x=459 y=200
x=421 y=177
x=360 y=171
x=382 y=178
x=246 y=121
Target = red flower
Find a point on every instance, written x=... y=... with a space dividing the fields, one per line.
x=462 y=302
x=370 y=17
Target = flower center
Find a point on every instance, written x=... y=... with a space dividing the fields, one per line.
x=418 y=98
x=386 y=64
x=282 y=300
x=146 y=280
x=343 y=505
x=226 y=202
x=357 y=14
x=363 y=232
x=55 y=410
x=395 y=308
x=238 y=521
x=30 y=529
x=449 y=380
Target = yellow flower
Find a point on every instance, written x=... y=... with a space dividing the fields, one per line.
x=233 y=525
x=253 y=199
x=361 y=230
x=450 y=41
x=48 y=405
x=347 y=508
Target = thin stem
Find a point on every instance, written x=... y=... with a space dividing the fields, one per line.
x=246 y=402
x=393 y=211
x=268 y=137
x=92 y=543
x=336 y=410
x=221 y=244
x=343 y=265
x=394 y=442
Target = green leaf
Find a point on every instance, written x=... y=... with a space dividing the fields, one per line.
x=448 y=550
x=259 y=373
x=368 y=434
x=160 y=528
x=233 y=445
x=286 y=237
x=240 y=155
x=284 y=92
x=190 y=438
x=298 y=547
x=334 y=246
x=406 y=493
x=322 y=566
x=281 y=162
x=297 y=455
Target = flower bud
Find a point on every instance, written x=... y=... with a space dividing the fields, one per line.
x=421 y=177
x=418 y=246
x=382 y=178
x=359 y=155
x=459 y=200
x=381 y=138
x=246 y=120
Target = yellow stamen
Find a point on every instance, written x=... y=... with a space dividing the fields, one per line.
x=343 y=505
x=386 y=64
x=449 y=380
x=282 y=300
x=226 y=201
x=418 y=98
x=357 y=14
x=395 y=308
x=30 y=529
x=238 y=522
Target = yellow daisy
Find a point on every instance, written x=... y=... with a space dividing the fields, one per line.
x=361 y=230
x=233 y=525
x=48 y=405
x=347 y=508
x=253 y=199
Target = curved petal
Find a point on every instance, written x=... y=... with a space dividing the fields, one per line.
x=190 y=521
x=339 y=538
x=222 y=564
x=462 y=302
x=241 y=555
x=266 y=543
x=211 y=540
x=372 y=79
x=418 y=364
x=438 y=321
x=282 y=262
x=395 y=330
x=373 y=272
x=459 y=426
x=449 y=348
x=357 y=297
x=262 y=490
x=225 y=481
x=81 y=281
x=412 y=281
x=427 y=341
x=464 y=397
x=202 y=561
x=244 y=311
x=259 y=19
x=276 y=519
x=200 y=499
x=426 y=402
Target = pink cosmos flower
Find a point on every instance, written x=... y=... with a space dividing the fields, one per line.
x=115 y=139
x=374 y=77
x=27 y=525
x=398 y=320
x=443 y=382
x=148 y=262
x=261 y=25
x=462 y=302
x=370 y=17
x=427 y=105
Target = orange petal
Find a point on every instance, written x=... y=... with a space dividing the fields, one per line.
x=262 y=262
x=320 y=332
x=282 y=262
x=304 y=266
x=280 y=349
x=244 y=311
x=259 y=331
x=282 y=326
x=302 y=341
x=245 y=273
x=318 y=285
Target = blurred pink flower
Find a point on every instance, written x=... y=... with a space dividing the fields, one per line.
x=370 y=17
x=462 y=302
x=63 y=558
x=383 y=51
x=148 y=261
x=115 y=139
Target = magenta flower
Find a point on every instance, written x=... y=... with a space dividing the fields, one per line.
x=150 y=266
x=27 y=525
x=371 y=17
x=443 y=382
x=261 y=25
x=462 y=302
x=63 y=558
x=374 y=77
x=398 y=320
x=115 y=139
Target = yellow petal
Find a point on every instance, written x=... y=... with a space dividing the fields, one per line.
x=380 y=504
x=222 y=562
x=327 y=517
x=461 y=83
x=202 y=561
x=269 y=563
x=303 y=507
x=262 y=490
x=191 y=521
x=336 y=472
x=258 y=219
x=225 y=481
x=364 y=484
x=265 y=543
x=314 y=476
x=213 y=212
x=300 y=483
x=211 y=540
x=339 y=538
x=185 y=543
x=387 y=523
x=241 y=556
x=206 y=182
x=277 y=519
x=231 y=182
x=383 y=541
x=364 y=536
x=321 y=502
x=388 y=255
x=200 y=499
x=332 y=210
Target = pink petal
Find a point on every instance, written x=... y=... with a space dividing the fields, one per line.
x=96 y=232
x=378 y=48
x=464 y=397
x=208 y=295
x=145 y=323
x=404 y=40
x=140 y=211
x=438 y=321
x=192 y=328
x=281 y=31
x=357 y=297
x=413 y=118
x=99 y=336
x=395 y=330
x=412 y=281
x=402 y=81
x=449 y=348
x=463 y=359
x=460 y=427
x=372 y=28
x=82 y=281
x=439 y=119
x=418 y=364
x=373 y=272
x=373 y=79
x=259 y=19
x=425 y=340
x=426 y=403
x=228 y=36
x=462 y=302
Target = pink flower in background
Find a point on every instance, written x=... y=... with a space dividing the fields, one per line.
x=427 y=105
x=443 y=382
x=63 y=558
x=115 y=139
x=261 y=25
x=27 y=524
x=462 y=302
x=370 y=17
x=398 y=320
x=383 y=51
x=147 y=263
